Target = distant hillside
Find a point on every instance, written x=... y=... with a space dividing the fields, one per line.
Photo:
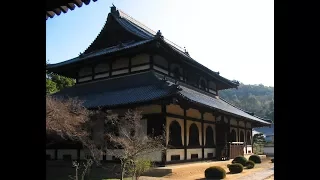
x=254 y=98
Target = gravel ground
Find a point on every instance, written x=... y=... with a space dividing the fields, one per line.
x=195 y=171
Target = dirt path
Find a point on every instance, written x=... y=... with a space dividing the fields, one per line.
x=195 y=171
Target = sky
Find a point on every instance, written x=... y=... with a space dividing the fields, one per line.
x=233 y=37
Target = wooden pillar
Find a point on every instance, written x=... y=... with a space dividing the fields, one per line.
x=202 y=137
x=130 y=66
x=185 y=133
x=164 y=153
x=238 y=133
x=151 y=61
x=245 y=136
x=78 y=154
x=56 y=154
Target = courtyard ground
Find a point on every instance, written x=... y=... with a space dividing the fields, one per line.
x=195 y=171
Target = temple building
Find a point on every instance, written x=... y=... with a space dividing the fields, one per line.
x=131 y=66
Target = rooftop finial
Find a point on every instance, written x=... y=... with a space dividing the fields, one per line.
x=185 y=51
x=113 y=8
x=159 y=34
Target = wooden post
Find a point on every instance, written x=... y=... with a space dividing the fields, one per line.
x=185 y=132
x=164 y=153
x=245 y=136
x=56 y=154
x=202 y=137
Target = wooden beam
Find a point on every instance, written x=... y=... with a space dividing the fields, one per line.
x=71 y=6
x=86 y=2
x=64 y=9
x=57 y=11
x=164 y=152
x=78 y=3
x=50 y=14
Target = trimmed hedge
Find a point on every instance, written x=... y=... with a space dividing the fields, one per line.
x=272 y=160
x=235 y=168
x=255 y=158
x=240 y=159
x=250 y=164
x=215 y=172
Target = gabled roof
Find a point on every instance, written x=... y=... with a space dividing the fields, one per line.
x=145 y=87
x=145 y=34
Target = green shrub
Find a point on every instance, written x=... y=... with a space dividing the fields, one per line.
x=215 y=172
x=255 y=158
x=272 y=160
x=250 y=164
x=240 y=159
x=235 y=168
x=139 y=167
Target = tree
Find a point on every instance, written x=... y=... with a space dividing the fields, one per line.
x=259 y=138
x=133 y=141
x=55 y=82
x=68 y=119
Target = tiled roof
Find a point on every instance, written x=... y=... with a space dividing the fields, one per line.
x=143 y=87
x=215 y=102
x=120 y=91
x=101 y=52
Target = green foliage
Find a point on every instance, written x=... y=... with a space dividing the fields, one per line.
x=259 y=138
x=235 y=168
x=254 y=98
x=255 y=158
x=139 y=166
x=55 y=82
x=250 y=164
x=239 y=159
x=215 y=172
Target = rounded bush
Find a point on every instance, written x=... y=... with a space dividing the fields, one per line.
x=250 y=164
x=272 y=160
x=215 y=172
x=235 y=168
x=240 y=159
x=255 y=158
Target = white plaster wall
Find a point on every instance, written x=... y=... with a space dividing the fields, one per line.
x=208 y=117
x=72 y=152
x=140 y=59
x=51 y=153
x=154 y=156
x=209 y=150
x=120 y=63
x=102 y=67
x=194 y=113
x=160 y=60
x=101 y=75
x=268 y=150
x=85 y=79
x=171 y=152
x=249 y=149
x=139 y=68
x=160 y=69
x=120 y=72
x=233 y=122
x=194 y=151
x=225 y=119
x=175 y=109
x=150 y=109
x=248 y=125
x=241 y=123
x=111 y=152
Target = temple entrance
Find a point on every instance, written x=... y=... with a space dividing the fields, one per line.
x=222 y=130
